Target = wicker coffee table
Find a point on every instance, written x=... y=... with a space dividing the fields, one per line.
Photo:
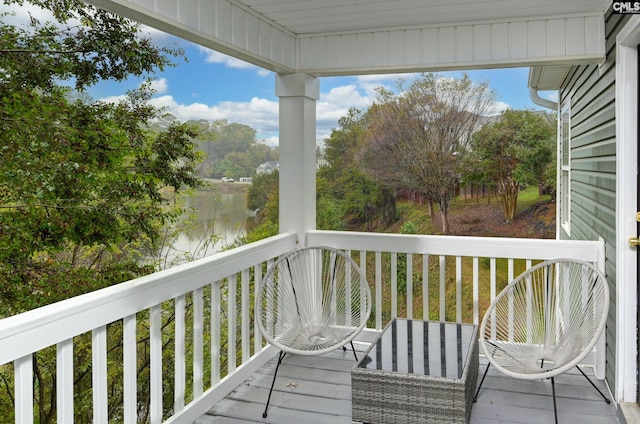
x=417 y=372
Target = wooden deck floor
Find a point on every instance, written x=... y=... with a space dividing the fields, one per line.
x=317 y=389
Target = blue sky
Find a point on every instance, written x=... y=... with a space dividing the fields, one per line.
x=213 y=86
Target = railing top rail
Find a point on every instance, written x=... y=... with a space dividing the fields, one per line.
x=493 y=247
x=34 y=330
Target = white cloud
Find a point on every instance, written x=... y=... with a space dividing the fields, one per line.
x=497 y=108
x=160 y=86
x=212 y=56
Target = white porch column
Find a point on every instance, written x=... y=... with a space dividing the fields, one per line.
x=298 y=94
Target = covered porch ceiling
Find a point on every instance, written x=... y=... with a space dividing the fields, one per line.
x=356 y=37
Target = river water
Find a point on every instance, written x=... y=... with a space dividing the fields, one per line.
x=223 y=216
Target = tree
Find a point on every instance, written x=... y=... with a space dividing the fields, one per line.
x=346 y=193
x=82 y=183
x=515 y=151
x=418 y=139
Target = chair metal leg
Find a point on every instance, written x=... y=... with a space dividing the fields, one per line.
x=606 y=399
x=344 y=349
x=553 y=389
x=280 y=357
x=475 y=397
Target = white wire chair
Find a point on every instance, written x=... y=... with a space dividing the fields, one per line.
x=546 y=321
x=311 y=301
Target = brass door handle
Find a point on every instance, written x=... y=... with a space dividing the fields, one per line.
x=634 y=241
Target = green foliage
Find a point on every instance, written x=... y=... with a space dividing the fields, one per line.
x=345 y=192
x=231 y=149
x=515 y=151
x=263 y=189
x=83 y=184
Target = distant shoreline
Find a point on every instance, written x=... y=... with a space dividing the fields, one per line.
x=235 y=187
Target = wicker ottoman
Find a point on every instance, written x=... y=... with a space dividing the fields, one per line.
x=417 y=372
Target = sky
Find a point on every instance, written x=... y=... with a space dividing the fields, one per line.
x=213 y=86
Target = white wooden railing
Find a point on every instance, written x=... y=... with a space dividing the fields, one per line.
x=205 y=309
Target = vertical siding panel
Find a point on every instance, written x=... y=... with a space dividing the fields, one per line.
x=238 y=27
x=349 y=50
x=206 y=24
x=537 y=39
x=304 y=53
x=518 y=48
x=414 y=43
x=500 y=41
x=593 y=36
x=464 y=43
x=364 y=43
x=555 y=32
x=188 y=13
x=482 y=42
x=334 y=51
x=319 y=47
x=380 y=48
x=430 y=45
x=446 y=45
x=222 y=17
x=397 y=47
x=264 y=38
x=253 y=33
x=575 y=33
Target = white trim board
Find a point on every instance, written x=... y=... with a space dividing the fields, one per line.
x=627 y=76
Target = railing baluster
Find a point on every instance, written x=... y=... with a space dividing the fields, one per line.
x=180 y=356
x=348 y=288
x=443 y=290
x=394 y=285
x=425 y=287
x=64 y=381
x=99 y=375
x=130 y=372
x=458 y=289
x=492 y=293
x=155 y=318
x=511 y=311
x=476 y=289
x=215 y=332
x=23 y=376
x=231 y=324
x=246 y=323
x=257 y=280
x=409 y=280
x=198 y=341
x=378 y=256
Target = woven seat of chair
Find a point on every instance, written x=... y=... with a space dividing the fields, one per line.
x=547 y=320
x=312 y=300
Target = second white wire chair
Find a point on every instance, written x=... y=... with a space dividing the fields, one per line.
x=546 y=321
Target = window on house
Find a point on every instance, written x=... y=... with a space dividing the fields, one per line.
x=565 y=168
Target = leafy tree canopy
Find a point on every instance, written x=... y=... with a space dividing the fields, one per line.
x=80 y=178
x=515 y=150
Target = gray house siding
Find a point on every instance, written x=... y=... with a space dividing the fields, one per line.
x=590 y=89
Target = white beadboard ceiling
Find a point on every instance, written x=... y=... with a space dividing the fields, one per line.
x=339 y=16
x=356 y=37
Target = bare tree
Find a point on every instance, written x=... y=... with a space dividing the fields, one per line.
x=417 y=139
